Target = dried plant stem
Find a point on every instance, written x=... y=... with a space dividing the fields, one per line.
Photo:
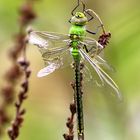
x=15 y=71
x=26 y=16
x=104 y=39
x=16 y=123
x=11 y=77
x=70 y=120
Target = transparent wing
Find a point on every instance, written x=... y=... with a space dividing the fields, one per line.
x=95 y=50
x=47 y=70
x=45 y=39
x=53 y=47
x=92 y=46
x=102 y=62
x=104 y=77
x=86 y=74
x=53 y=59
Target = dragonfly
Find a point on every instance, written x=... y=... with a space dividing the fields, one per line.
x=55 y=46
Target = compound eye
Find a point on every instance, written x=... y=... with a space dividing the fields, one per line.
x=79 y=16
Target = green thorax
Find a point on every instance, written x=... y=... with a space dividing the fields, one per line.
x=77 y=33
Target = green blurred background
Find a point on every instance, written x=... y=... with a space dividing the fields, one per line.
x=49 y=97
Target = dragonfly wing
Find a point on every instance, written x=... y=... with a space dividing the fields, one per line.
x=34 y=39
x=101 y=73
x=95 y=50
x=50 y=40
x=86 y=57
x=47 y=70
x=53 y=59
x=53 y=47
x=92 y=46
x=86 y=74
x=102 y=62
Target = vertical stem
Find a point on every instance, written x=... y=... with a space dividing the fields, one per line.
x=78 y=101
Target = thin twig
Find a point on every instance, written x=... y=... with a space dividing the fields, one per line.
x=13 y=131
x=15 y=72
x=70 y=120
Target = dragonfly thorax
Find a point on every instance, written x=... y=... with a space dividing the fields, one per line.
x=77 y=30
x=77 y=33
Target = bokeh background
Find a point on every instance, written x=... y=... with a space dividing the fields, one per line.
x=48 y=99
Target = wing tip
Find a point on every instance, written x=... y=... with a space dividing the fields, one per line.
x=39 y=75
x=42 y=73
x=29 y=29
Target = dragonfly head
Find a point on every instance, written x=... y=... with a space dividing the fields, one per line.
x=79 y=19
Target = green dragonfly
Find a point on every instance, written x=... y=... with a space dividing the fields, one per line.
x=55 y=46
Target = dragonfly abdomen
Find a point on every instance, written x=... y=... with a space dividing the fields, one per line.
x=78 y=98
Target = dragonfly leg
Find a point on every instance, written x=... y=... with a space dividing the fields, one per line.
x=72 y=12
x=91 y=17
x=85 y=47
x=97 y=29
x=69 y=21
